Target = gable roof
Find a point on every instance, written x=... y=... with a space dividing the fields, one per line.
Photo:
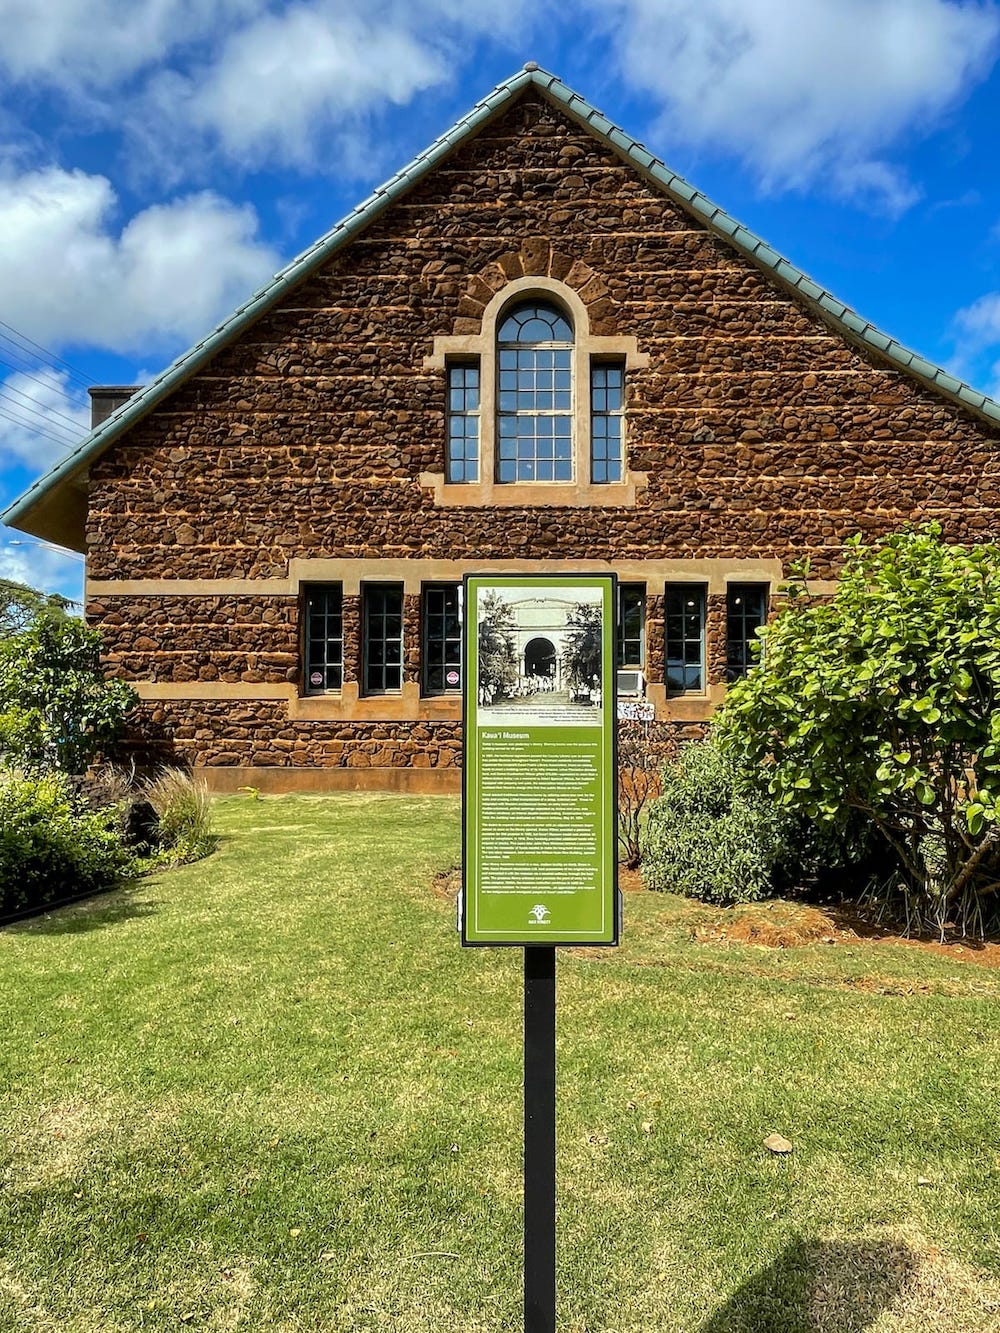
x=54 y=507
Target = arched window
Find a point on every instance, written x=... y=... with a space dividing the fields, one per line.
x=534 y=394
x=535 y=407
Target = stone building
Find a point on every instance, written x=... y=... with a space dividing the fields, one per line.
x=534 y=349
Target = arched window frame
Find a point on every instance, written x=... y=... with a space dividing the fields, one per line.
x=588 y=348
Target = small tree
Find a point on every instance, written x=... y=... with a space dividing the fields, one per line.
x=20 y=605
x=581 y=660
x=57 y=711
x=643 y=747
x=497 y=658
x=884 y=700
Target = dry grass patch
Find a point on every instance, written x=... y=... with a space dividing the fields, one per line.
x=60 y=1142
x=899 y=1283
x=777 y=925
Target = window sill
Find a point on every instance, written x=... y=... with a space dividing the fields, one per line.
x=537 y=494
x=351 y=706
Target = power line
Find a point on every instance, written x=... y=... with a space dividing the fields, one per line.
x=23 y=409
x=36 y=430
x=22 y=355
x=24 y=373
x=30 y=365
x=49 y=412
x=23 y=341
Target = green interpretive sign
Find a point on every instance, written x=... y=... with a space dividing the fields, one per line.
x=539 y=781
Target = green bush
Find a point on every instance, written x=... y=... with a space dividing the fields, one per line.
x=57 y=711
x=48 y=849
x=183 y=808
x=883 y=703
x=712 y=837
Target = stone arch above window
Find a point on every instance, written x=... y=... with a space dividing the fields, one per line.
x=532 y=304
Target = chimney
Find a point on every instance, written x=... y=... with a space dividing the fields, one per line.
x=104 y=398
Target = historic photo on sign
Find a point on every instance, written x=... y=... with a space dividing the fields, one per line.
x=539 y=656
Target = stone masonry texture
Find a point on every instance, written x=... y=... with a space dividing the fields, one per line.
x=763 y=432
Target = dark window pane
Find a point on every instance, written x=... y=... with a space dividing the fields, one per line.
x=684 y=636
x=442 y=638
x=631 y=647
x=746 y=612
x=383 y=637
x=324 y=638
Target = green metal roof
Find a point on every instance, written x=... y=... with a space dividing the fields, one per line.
x=42 y=504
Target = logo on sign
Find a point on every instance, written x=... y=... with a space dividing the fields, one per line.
x=539 y=914
x=452 y=678
x=316 y=678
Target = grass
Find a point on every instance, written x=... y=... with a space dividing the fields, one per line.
x=269 y=1091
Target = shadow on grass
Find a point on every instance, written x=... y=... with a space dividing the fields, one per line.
x=93 y=913
x=817 y=1286
x=869 y=925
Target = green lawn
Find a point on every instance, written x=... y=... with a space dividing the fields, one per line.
x=270 y=1092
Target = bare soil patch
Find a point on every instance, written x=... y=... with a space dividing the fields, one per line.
x=786 y=925
x=780 y=924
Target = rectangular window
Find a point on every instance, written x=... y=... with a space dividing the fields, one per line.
x=324 y=638
x=442 y=646
x=746 y=612
x=631 y=648
x=535 y=414
x=684 y=636
x=463 y=421
x=383 y=638
x=607 y=401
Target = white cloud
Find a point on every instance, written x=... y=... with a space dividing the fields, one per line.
x=175 y=269
x=977 y=336
x=816 y=92
x=281 y=84
x=96 y=44
x=245 y=81
x=980 y=321
x=300 y=86
x=41 y=417
x=811 y=90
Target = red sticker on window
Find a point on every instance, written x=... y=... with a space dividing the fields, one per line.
x=316 y=678
x=452 y=678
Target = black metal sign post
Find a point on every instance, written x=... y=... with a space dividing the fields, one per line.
x=539 y=800
x=539 y=1140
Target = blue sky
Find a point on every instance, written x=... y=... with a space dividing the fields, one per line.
x=160 y=160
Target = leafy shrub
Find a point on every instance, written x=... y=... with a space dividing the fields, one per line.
x=710 y=836
x=183 y=807
x=50 y=850
x=57 y=711
x=885 y=701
